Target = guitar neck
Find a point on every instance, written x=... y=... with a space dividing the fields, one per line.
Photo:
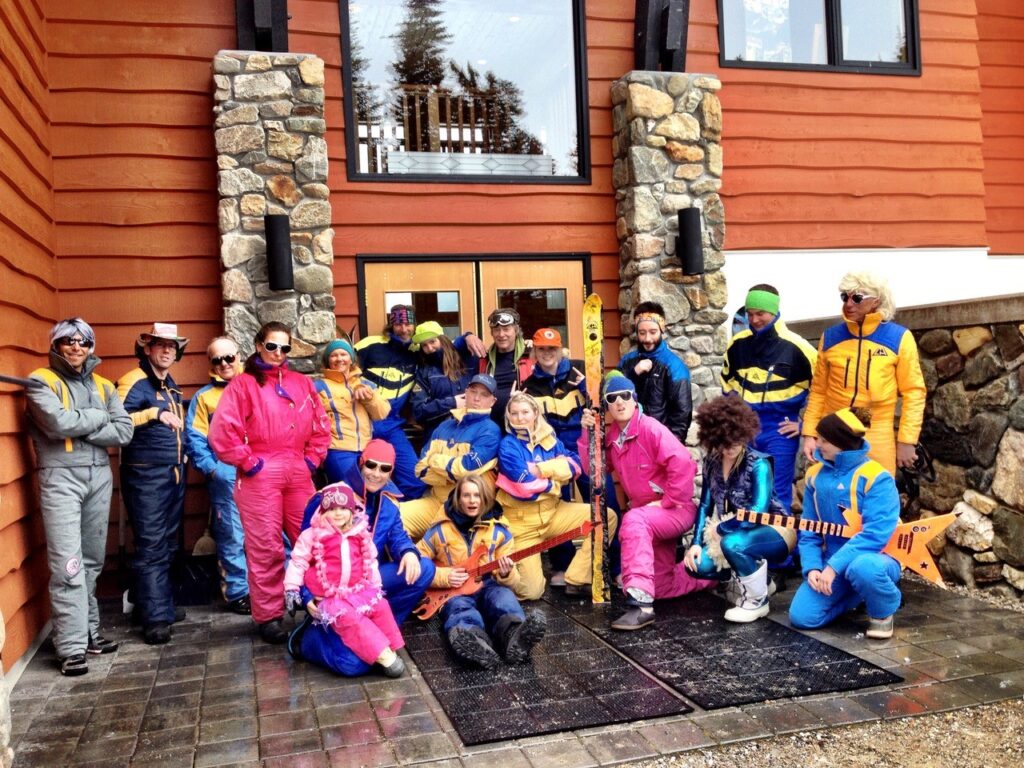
x=797 y=523
x=536 y=549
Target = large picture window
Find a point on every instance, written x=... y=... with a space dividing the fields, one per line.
x=476 y=90
x=850 y=35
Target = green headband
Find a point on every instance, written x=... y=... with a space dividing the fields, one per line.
x=763 y=301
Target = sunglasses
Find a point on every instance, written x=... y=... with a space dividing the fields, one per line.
x=856 y=297
x=68 y=341
x=227 y=359
x=272 y=347
x=371 y=464
x=612 y=397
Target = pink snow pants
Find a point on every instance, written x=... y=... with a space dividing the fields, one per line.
x=367 y=634
x=648 y=537
x=269 y=502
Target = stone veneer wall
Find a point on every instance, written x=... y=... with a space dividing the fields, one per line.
x=974 y=428
x=668 y=156
x=272 y=159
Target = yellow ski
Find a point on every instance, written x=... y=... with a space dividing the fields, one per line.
x=593 y=358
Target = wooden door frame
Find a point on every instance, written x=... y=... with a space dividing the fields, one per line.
x=362 y=259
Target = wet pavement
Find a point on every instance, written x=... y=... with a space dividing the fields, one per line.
x=217 y=696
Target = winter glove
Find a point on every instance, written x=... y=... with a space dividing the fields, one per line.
x=255 y=469
x=292 y=601
x=311 y=465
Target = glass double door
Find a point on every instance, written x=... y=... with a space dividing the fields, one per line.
x=461 y=294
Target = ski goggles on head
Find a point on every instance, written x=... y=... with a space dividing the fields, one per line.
x=856 y=298
x=623 y=394
x=502 y=318
x=371 y=464
x=227 y=359
x=271 y=346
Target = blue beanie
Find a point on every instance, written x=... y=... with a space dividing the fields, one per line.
x=617 y=382
x=335 y=345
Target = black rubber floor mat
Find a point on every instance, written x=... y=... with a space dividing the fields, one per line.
x=572 y=680
x=716 y=664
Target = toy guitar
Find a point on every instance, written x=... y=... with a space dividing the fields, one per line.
x=907 y=545
x=434 y=599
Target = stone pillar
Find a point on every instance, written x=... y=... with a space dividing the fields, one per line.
x=668 y=156
x=272 y=159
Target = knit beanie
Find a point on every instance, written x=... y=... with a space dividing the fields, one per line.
x=339 y=496
x=427 y=331
x=70 y=327
x=843 y=429
x=378 y=450
x=336 y=344
x=618 y=383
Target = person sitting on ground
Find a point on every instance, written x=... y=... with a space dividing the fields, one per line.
x=661 y=379
x=467 y=442
x=352 y=406
x=405 y=574
x=226 y=524
x=74 y=415
x=443 y=372
x=656 y=472
x=337 y=562
x=736 y=477
x=842 y=573
x=533 y=465
x=490 y=622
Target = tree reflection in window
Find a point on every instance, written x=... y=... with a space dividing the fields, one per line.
x=464 y=87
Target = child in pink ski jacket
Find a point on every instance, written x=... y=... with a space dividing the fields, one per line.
x=336 y=560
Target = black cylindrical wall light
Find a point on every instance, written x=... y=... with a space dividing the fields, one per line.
x=279 y=252
x=689 y=245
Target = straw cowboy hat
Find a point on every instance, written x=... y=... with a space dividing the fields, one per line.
x=166 y=331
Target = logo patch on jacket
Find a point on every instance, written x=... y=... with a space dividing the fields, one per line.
x=881 y=352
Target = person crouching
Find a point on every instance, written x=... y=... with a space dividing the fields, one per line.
x=489 y=622
x=842 y=573
x=337 y=561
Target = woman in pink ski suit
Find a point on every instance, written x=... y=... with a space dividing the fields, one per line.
x=271 y=425
x=656 y=473
x=336 y=560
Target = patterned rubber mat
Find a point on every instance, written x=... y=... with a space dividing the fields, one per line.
x=717 y=664
x=572 y=680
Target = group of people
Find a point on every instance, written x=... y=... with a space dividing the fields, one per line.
x=503 y=471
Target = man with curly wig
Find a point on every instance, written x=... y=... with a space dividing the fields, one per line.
x=868 y=361
x=736 y=477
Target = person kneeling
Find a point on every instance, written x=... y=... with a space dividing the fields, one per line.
x=736 y=477
x=489 y=622
x=337 y=561
x=842 y=573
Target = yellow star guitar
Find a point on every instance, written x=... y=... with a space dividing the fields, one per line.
x=908 y=545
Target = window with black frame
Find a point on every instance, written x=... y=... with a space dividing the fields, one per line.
x=877 y=36
x=471 y=89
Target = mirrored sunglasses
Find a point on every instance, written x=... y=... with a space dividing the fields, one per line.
x=371 y=464
x=857 y=298
x=68 y=341
x=272 y=347
x=228 y=359
x=624 y=394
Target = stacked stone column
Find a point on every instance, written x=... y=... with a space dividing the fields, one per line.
x=668 y=156
x=272 y=159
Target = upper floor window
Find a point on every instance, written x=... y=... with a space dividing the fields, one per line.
x=849 y=35
x=469 y=90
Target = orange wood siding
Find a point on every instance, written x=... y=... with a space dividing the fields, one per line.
x=475 y=218
x=835 y=160
x=134 y=176
x=28 y=308
x=1001 y=49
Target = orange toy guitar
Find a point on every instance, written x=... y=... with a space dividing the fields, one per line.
x=435 y=598
x=907 y=545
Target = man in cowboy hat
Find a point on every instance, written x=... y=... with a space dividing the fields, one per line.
x=153 y=473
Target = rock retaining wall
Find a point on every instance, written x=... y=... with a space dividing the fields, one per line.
x=974 y=428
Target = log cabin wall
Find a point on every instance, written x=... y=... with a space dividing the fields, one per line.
x=1001 y=51
x=28 y=309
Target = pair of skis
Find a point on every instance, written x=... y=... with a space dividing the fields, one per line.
x=593 y=358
